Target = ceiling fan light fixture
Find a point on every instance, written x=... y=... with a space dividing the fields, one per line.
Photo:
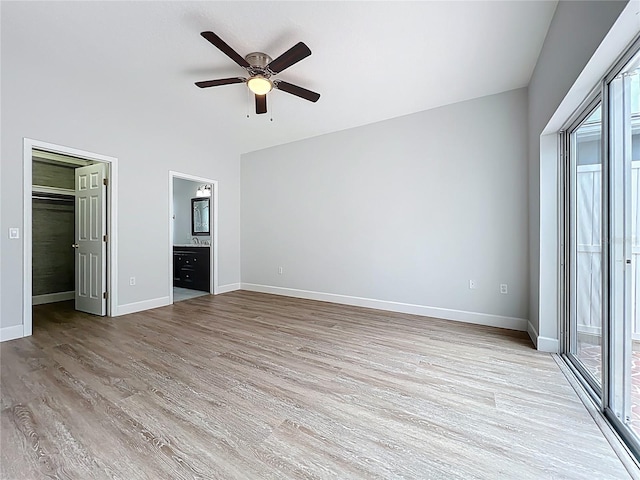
x=260 y=85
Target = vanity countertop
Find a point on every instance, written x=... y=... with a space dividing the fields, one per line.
x=190 y=245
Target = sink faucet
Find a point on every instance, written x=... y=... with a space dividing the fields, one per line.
x=195 y=240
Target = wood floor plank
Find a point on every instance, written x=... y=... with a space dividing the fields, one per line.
x=248 y=385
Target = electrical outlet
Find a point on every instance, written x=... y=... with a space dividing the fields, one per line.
x=132 y=280
x=472 y=284
x=14 y=233
x=279 y=270
x=504 y=288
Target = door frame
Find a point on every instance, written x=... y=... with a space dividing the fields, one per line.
x=213 y=266
x=112 y=223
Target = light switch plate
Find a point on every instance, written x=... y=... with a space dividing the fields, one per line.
x=14 y=233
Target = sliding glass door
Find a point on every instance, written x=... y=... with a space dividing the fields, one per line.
x=601 y=179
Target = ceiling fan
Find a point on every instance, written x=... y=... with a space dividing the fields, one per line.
x=261 y=68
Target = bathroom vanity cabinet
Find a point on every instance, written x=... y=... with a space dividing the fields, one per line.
x=191 y=267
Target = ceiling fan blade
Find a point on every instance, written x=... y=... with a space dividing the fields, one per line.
x=290 y=57
x=261 y=104
x=296 y=90
x=226 y=49
x=221 y=81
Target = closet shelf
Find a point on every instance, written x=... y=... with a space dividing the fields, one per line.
x=52 y=190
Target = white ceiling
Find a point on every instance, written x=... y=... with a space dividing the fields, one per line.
x=371 y=60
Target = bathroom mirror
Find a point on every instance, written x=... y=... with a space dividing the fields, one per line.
x=200 y=216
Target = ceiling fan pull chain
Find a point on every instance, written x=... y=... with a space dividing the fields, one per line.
x=249 y=103
x=271 y=109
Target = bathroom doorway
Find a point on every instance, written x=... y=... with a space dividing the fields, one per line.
x=193 y=236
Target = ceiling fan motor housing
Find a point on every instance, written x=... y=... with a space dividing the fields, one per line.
x=258 y=62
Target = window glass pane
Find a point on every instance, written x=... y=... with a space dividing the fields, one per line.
x=586 y=318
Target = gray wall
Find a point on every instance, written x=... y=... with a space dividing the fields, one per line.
x=576 y=31
x=128 y=123
x=406 y=210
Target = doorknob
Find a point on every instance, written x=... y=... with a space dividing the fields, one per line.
x=74 y=245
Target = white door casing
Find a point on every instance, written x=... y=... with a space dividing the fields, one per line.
x=90 y=239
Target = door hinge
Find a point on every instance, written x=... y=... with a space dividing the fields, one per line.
x=105 y=238
x=105 y=295
x=105 y=181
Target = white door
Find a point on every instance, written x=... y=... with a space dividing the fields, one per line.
x=91 y=246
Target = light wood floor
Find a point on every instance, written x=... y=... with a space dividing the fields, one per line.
x=247 y=385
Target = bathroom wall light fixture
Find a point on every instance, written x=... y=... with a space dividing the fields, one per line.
x=203 y=191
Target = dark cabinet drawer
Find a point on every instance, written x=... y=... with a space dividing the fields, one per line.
x=191 y=268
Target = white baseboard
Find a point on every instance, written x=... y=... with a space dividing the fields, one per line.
x=543 y=344
x=52 y=297
x=511 y=323
x=11 y=333
x=228 y=288
x=144 y=305
x=548 y=344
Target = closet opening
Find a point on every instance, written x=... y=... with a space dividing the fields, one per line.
x=69 y=237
